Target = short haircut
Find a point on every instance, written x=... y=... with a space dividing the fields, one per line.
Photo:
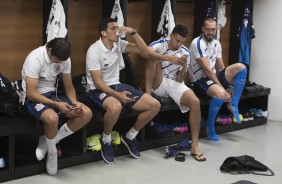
x=181 y=30
x=103 y=24
x=60 y=47
x=209 y=19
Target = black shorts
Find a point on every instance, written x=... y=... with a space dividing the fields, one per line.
x=204 y=83
x=35 y=109
x=98 y=96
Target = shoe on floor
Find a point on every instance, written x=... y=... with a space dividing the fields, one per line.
x=93 y=143
x=52 y=164
x=131 y=146
x=41 y=149
x=108 y=153
x=115 y=138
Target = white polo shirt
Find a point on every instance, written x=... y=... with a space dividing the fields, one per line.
x=110 y=62
x=38 y=65
x=169 y=70
x=201 y=48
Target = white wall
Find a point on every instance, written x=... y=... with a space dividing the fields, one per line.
x=266 y=52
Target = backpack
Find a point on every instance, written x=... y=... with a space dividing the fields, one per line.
x=244 y=165
x=9 y=99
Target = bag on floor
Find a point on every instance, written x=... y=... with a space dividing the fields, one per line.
x=244 y=165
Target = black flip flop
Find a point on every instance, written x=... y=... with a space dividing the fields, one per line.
x=180 y=157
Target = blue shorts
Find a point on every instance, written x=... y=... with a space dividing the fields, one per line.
x=35 y=109
x=204 y=83
x=98 y=96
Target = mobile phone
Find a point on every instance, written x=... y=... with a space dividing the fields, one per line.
x=133 y=97
x=75 y=107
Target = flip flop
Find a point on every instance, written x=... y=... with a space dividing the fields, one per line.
x=198 y=157
x=180 y=157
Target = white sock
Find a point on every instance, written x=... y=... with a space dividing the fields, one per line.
x=51 y=143
x=63 y=132
x=106 y=138
x=131 y=134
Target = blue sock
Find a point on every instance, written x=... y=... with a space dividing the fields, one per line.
x=238 y=86
x=215 y=105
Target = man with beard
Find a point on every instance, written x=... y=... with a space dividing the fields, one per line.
x=208 y=73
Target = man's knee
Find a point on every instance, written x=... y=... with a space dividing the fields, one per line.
x=50 y=118
x=114 y=108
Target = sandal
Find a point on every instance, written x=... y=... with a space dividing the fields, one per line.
x=180 y=157
x=198 y=157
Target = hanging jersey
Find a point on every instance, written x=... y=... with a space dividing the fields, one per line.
x=201 y=48
x=221 y=17
x=56 y=26
x=110 y=62
x=166 y=23
x=169 y=70
x=246 y=33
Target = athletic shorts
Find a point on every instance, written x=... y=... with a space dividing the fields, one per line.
x=98 y=96
x=204 y=83
x=35 y=109
x=173 y=89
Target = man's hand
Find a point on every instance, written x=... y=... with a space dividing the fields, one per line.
x=123 y=97
x=64 y=107
x=175 y=60
x=124 y=30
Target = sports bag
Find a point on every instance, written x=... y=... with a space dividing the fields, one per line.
x=9 y=99
x=244 y=165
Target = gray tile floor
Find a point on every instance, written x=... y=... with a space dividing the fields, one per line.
x=262 y=142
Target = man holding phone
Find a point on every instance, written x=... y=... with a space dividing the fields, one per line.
x=103 y=63
x=43 y=102
x=166 y=79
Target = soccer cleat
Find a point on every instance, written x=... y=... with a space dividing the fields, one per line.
x=241 y=118
x=41 y=149
x=259 y=112
x=235 y=112
x=52 y=164
x=115 y=138
x=221 y=120
x=131 y=146
x=93 y=143
x=108 y=153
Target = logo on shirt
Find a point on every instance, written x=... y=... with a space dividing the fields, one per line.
x=57 y=68
x=106 y=65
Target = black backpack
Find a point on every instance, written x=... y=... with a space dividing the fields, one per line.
x=244 y=165
x=9 y=99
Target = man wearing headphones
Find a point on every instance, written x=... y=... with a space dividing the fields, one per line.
x=103 y=63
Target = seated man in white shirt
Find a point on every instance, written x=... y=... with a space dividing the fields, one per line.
x=43 y=102
x=103 y=63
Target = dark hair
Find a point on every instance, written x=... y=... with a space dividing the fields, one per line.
x=181 y=30
x=103 y=24
x=209 y=19
x=60 y=47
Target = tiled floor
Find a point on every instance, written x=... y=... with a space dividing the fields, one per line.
x=262 y=142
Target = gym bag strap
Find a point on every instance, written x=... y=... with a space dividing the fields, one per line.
x=244 y=165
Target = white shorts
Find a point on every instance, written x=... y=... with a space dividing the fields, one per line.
x=173 y=89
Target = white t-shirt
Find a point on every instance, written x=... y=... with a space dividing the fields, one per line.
x=110 y=62
x=201 y=48
x=38 y=65
x=169 y=70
